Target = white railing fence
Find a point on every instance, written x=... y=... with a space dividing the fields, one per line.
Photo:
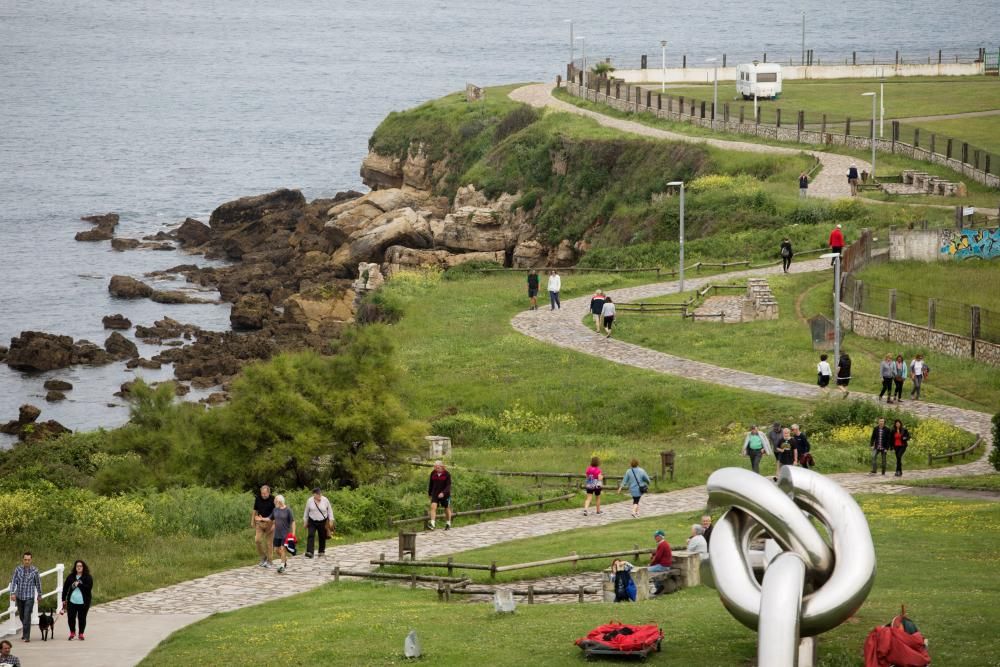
x=9 y=623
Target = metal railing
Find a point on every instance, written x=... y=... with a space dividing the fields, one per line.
x=9 y=623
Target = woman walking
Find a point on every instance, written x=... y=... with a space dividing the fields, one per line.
x=844 y=373
x=756 y=445
x=785 y=451
x=638 y=483
x=284 y=525
x=823 y=372
x=595 y=480
x=900 y=439
x=76 y=595
x=803 y=185
x=899 y=377
x=888 y=370
x=608 y=313
x=786 y=254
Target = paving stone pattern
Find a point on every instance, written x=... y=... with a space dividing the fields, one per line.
x=829 y=183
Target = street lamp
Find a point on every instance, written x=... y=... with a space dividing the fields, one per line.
x=681 y=185
x=583 y=47
x=881 y=105
x=715 y=91
x=873 y=96
x=835 y=256
x=663 y=77
x=571 y=45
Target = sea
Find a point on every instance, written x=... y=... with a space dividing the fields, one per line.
x=163 y=110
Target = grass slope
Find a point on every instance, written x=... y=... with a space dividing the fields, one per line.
x=938 y=557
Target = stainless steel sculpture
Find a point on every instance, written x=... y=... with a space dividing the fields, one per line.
x=810 y=583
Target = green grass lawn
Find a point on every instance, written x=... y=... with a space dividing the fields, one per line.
x=989 y=482
x=982 y=132
x=514 y=403
x=938 y=557
x=783 y=348
x=948 y=281
x=905 y=97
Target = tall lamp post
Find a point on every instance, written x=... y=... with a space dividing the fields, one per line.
x=663 y=76
x=715 y=88
x=680 y=184
x=835 y=256
x=881 y=105
x=873 y=96
x=571 y=45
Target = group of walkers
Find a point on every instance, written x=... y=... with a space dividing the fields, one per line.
x=789 y=446
x=553 y=286
x=661 y=561
x=26 y=593
x=635 y=480
x=274 y=527
x=894 y=373
x=883 y=439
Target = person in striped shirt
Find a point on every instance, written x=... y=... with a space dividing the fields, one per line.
x=25 y=591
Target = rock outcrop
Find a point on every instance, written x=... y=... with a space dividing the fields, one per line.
x=194 y=233
x=40 y=351
x=103 y=230
x=28 y=429
x=120 y=347
x=251 y=312
x=116 y=321
x=57 y=385
x=125 y=287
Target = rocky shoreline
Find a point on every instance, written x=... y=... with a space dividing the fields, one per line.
x=297 y=274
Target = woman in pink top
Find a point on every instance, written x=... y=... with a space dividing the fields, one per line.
x=595 y=480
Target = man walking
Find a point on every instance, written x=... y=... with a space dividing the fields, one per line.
x=880 y=443
x=802 y=448
x=661 y=561
x=836 y=241
x=596 y=308
x=262 y=521
x=533 y=288
x=318 y=518
x=439 y=489
x=25 y=591
x=553 y=286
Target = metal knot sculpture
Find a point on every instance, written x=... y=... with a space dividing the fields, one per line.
x=803 y=583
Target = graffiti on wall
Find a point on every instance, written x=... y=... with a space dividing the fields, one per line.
x=972 y=244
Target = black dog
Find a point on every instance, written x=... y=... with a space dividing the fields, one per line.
x=46 y=623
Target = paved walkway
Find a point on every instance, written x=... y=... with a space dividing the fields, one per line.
x=830 y=183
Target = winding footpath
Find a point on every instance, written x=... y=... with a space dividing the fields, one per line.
x=829 y=183
x=124 y=631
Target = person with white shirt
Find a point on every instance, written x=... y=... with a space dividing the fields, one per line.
x=318 y=518
x=918 y=371
x=696 y=544
x=608 y=315
x=823 y=372
x=553 y=286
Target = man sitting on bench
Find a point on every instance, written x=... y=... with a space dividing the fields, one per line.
x=660 y=562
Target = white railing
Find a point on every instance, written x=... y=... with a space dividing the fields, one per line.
x=9 y=623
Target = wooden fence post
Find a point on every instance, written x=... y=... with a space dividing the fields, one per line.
x=336 y=573
x=742 y=110
x=892 y=306
x=579 y=595
x=531 y=594
x=931 y=312
x=847 y=127
x=948 y=149
x=493 y=570
x=450 y=566
x=778 y=116
x=916 y=137
x=976 y=321
x=933 y=141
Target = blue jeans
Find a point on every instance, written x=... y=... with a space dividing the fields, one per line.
x=554 y=300
x=657 y=585
x=24 y=609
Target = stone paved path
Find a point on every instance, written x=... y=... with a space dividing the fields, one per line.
x=830 y=183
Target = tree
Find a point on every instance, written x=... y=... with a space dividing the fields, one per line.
x=603 y=69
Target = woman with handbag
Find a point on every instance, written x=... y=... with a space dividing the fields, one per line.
x=76 y=597
x=595 y=480
x=318 y=519
x=638 y=483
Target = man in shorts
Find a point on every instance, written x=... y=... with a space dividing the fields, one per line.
x=261 y=520
x=439 y=489
x=533 y=288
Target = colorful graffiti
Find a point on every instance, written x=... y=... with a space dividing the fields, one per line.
x=972 y=244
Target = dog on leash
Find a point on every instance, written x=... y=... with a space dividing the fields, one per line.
x=46 y=624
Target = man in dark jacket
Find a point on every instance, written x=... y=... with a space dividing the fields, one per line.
x=800 y=443
x=880 y=442
x=439 y=489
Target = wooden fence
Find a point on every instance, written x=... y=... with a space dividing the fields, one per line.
x=488 y=510
x=931 y=458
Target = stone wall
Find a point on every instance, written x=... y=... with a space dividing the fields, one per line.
x=627 y=97
x=951 y=244
x=913 y=335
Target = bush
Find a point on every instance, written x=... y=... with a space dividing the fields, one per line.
x=515 y=121
x=379 y=307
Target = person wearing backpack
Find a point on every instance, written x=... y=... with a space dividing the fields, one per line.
x=786 y=254
x=637 y=481
x=595 y=480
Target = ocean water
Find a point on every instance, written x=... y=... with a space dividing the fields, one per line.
x=160 y=111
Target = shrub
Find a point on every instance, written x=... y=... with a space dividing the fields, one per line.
x=469 y=429
x=932 y=436
x=16 y=510
x=379 y=307
x=515 y=121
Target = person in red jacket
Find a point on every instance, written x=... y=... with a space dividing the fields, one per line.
x=662 y=559
x=836 y=241
x=439 y=489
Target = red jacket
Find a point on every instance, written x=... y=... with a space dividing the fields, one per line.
x=836 y=238
x=663 y=555
x=887 y=647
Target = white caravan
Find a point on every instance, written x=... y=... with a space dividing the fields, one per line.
x=761 y=80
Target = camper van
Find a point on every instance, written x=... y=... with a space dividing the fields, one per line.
x=761 y=80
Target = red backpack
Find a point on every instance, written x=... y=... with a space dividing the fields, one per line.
x=898 y=644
